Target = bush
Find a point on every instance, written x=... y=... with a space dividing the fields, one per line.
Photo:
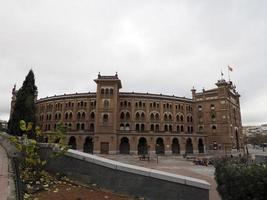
x=238 y=180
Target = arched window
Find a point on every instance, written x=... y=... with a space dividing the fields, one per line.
x=182 y=128
x=143 y=116
x=92 y=115
x=127 y=127
x=82 y=126
x=70 y=115
x=152 y=116
x=105 y=118
x=137 y=116
x=142 y=127
x=137 y=127
x=152 y=127
x=127 y=115
x=106 y=104
x=212 y=107
x=177 y=118
x=92 y=127
x=165 y=117
x=170 y=128
x=77 y=126
x=122 y=116
x=181 y=118
x=83 y=115
x=165 y=127
x=78 y=115
x=121 y=126
x=107 y=91
x=170 y=117
x=178 y=128
x=157 y=128
x=102 y=91
x=157 y=116
x=213 y=118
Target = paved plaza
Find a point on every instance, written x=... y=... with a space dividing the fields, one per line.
x=3 y=174
x=176 y=165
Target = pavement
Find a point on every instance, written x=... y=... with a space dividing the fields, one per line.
x=3 y=174
x=176 y=165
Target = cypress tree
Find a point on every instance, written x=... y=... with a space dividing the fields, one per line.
x=24 y=108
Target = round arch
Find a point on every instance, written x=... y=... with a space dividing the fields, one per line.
x=160 y=148
x=175 y=146
x=200 y=146
x=142 y=146
x=124 y=146
x=189 y=146
x=72 y=142
x=88 y=145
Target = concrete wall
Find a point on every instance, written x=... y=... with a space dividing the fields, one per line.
x=127 y=179
x=260 y=158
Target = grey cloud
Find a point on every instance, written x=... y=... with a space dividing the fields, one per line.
x=156 y=46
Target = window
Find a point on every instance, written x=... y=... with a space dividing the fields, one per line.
x=127 y=115
x=212 y=107
x=152 y=127
x=213 y=118
x=105 y=118
x=199 y=108
x=106 y=104
x=92 y=115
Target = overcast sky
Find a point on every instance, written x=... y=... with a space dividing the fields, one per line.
x=155 y=46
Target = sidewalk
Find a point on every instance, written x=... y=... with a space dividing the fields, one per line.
x=3 y=174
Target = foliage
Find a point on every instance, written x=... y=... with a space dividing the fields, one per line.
x=238 y=180
x=31 y=165
x=24 y=106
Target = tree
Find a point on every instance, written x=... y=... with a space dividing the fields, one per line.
x=237 y=179
x=24 y=107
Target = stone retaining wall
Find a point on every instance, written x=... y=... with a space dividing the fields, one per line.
x=126 y=179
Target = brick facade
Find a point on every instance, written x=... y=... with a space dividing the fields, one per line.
x=110 y=121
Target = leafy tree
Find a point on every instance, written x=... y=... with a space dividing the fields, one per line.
x=236 y=179
x=24 y=107
x=30 y=163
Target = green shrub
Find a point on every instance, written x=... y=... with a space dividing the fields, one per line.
x=238 y=180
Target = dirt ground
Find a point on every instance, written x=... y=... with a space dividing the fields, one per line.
x=74 y=192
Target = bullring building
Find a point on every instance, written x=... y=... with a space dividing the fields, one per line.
x=112 y=122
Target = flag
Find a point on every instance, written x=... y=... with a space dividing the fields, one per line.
x=230 y=68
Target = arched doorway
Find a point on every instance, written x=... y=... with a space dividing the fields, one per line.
x=175 y=146
x=200 y=146
x=142 y=146
x=88 y=145
x=124 y=146
x=189 y=146
x=72 y=143
x=160 y=146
